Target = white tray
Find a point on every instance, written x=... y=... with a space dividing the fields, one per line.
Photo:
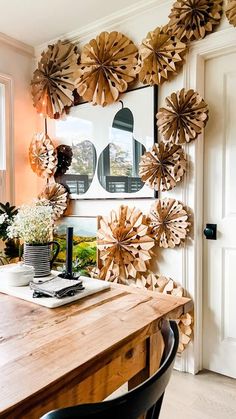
x=25 y=293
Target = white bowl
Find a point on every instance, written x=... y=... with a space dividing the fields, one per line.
x=16 y=274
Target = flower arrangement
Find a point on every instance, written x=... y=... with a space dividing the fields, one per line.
x=33 y=224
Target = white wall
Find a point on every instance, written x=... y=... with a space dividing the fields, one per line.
x=16 y=62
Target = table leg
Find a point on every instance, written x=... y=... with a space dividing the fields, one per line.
x=154 y=351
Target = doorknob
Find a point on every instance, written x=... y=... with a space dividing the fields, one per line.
x=210 y=231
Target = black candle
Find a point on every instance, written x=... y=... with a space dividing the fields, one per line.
x=69 y=251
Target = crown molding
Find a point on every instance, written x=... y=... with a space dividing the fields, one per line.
x=17 y=45
x=106 y=23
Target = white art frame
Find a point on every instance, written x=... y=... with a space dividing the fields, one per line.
x=88 y=122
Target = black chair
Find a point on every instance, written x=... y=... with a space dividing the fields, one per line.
x=145 y=398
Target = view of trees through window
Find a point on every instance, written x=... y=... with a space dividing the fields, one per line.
x=120 y=162
x=84 y=158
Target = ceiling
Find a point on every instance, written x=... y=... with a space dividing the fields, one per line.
x=35 y=22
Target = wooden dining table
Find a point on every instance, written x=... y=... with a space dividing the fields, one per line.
x=80 y=352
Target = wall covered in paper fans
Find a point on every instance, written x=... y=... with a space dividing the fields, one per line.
x=136 y=26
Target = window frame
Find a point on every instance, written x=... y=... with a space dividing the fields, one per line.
x=7 y=175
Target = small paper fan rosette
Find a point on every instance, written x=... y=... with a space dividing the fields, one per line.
x=184 y=117
x=159 y=283
x=56 y=196
x=108 y=64
x=185 y=325
x=161 y=55
x=64 y=157
x=163 y=166
x=124 y=244
x=42 y=155
x=169 y=222
x=55 y=79
x=166 y=285
x=193 y=19
x=230 y=12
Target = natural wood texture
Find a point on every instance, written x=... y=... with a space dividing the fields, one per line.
x=55 y=79
x=80 y=352
x=169 y=222
x=124 y=244
x=108 y=65
x=230 y=12
x=160 y=56
x=184 y=117
x=163 y=166
x=55 y=195
x=42 y=155
x=193 y=19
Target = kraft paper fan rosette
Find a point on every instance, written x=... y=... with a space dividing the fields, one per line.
x=55 y=79
x=183 y=118
x=162 y=167
x=108 y=65
x=193 y=19
x=161 y=55
x=169 y=222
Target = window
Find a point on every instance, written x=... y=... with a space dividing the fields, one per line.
x=2 y=143
x=6 y=149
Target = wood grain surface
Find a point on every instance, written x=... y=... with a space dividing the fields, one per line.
x=80 y=352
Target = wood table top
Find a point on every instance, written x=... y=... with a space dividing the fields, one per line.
x=40 y=347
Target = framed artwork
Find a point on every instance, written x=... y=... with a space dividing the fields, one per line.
x=107 y=145
x=84 y=242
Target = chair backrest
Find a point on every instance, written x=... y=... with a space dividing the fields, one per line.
x=145 y=398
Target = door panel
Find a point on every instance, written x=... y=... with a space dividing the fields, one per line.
x=219 y=290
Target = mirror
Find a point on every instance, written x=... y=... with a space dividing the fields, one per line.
x=118 y=164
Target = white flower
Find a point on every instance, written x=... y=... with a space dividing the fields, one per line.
x=3 y=218
x=33 y=224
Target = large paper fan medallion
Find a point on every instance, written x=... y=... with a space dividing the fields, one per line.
x=161 y=56
x=184 y=117
x=124 y=244
x=193 y=19
x=230 y=12
x=163 y=166
x=169 y=222
x=55 y=79
x=108 y=65
x=55 y=195
x=42 y=155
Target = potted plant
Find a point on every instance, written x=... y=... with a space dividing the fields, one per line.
x=33 y=224
x=11 y=249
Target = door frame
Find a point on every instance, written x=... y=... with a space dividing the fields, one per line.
x=212 y=46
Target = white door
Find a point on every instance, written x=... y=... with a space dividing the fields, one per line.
x=219 y=276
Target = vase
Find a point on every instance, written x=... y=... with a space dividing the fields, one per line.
x=41 y=257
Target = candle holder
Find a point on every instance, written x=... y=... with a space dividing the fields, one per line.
x=68 y=273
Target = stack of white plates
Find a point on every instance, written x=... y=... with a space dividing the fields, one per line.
x=16 y=274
